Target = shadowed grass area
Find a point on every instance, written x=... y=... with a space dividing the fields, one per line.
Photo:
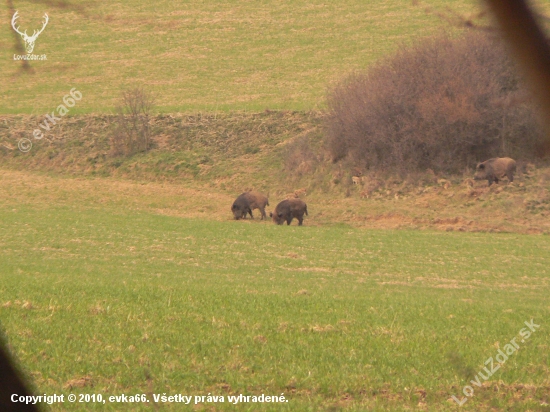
x=107 y=301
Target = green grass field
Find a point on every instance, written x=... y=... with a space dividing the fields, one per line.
x=109 y=300
x=128 y=276
x=199 y=56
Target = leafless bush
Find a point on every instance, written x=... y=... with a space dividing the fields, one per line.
x=132 y=133
x=443 y=105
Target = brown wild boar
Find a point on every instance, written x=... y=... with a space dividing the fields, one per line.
x=247 y=202
x=289 y=209
x=495 y=169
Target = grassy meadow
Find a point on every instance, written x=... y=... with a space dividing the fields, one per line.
x=127 y=275
x=98 y=296
x=204 y=56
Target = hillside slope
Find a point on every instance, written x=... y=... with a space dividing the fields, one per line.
x=226 y=55
x=199 y=164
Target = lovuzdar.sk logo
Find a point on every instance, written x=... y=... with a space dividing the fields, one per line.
x=29 y=40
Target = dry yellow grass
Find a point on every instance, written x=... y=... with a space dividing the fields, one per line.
x=500 y=208
x=19 y=188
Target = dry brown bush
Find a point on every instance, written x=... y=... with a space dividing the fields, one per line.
x=444 y=104
x=132 y=133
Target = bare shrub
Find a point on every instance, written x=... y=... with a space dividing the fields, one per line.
x=444 y=105
x=132 y=133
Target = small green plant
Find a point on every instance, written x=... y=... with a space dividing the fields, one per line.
x=251 y=149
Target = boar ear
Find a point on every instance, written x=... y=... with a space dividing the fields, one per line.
x=270 y=214
x=481 y=166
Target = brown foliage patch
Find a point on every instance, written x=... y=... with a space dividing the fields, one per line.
x=78 y=382
x=444 y=105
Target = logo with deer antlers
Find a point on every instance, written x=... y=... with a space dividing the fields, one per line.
x=29 y=40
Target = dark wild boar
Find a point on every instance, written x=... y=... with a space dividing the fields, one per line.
x=495 y=169
x=247 y=202
x=289 y=209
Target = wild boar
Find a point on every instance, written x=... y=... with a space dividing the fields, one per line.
x=495 y=169
x=247 y=202
x=289 y=209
